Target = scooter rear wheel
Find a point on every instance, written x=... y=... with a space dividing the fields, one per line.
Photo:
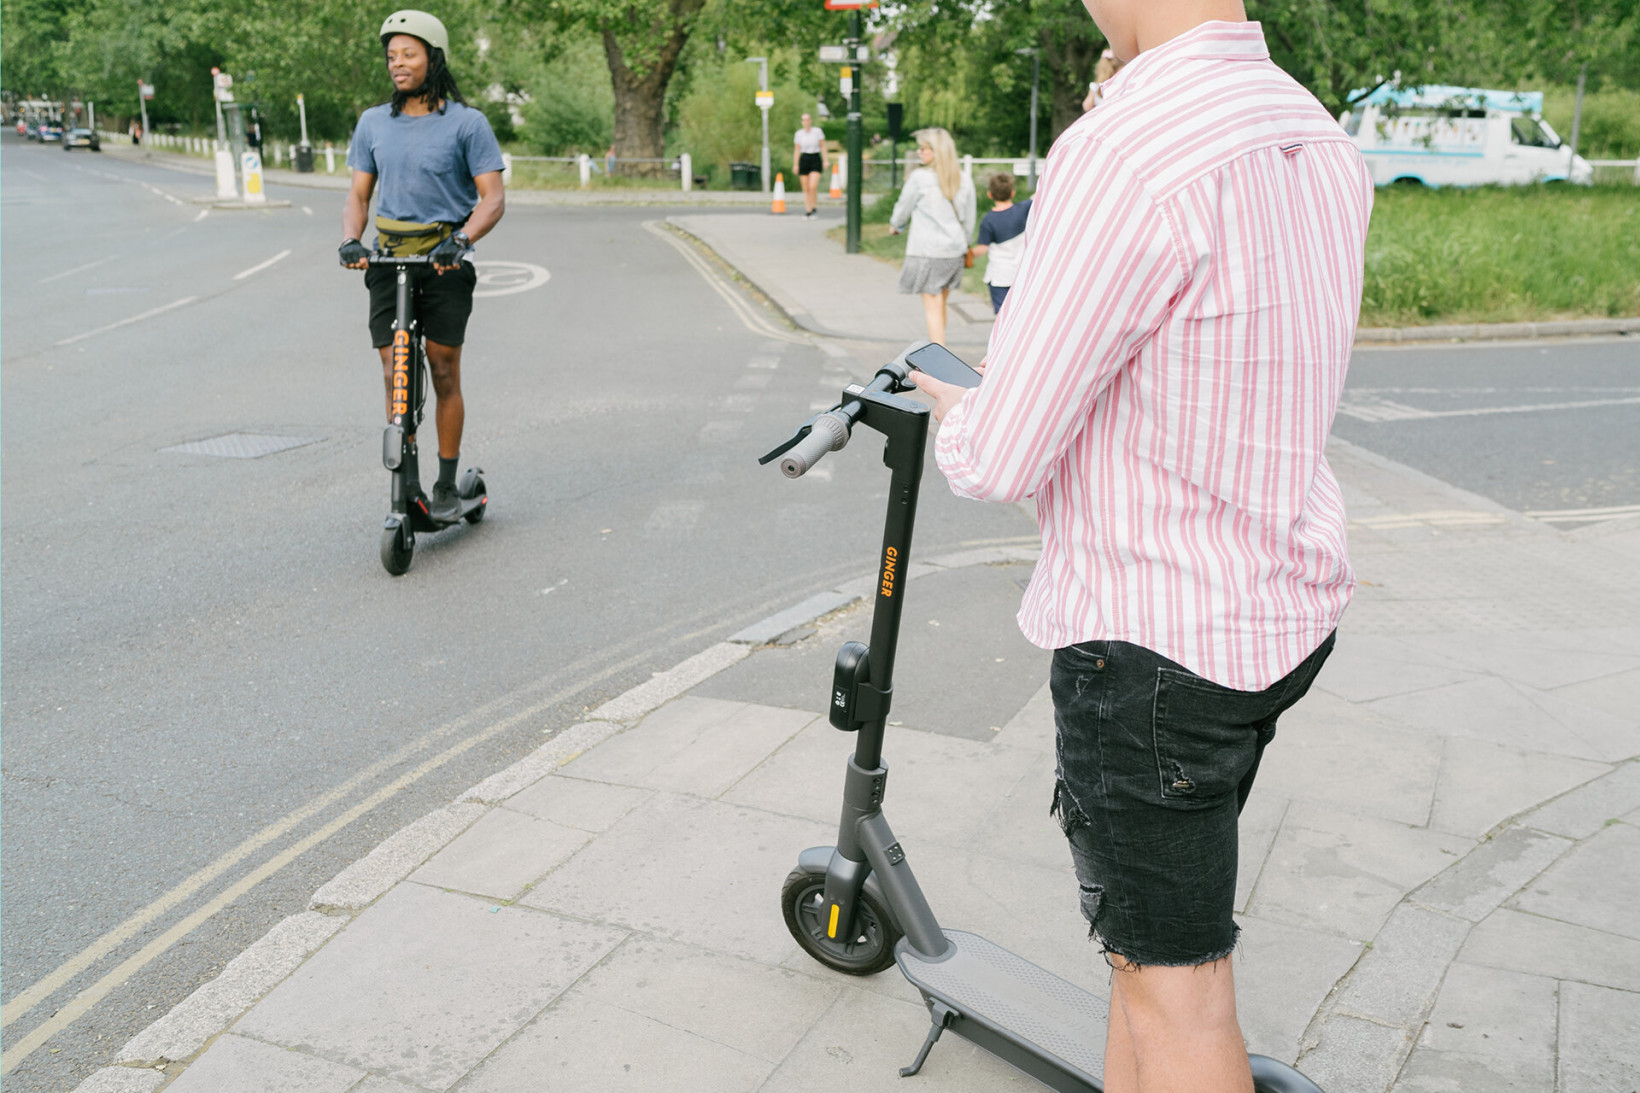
x=396 y=553
x=869 y=951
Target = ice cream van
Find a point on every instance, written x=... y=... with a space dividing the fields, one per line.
x=1459 y=136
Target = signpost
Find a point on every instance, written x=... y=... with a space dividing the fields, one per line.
x=1036 y=78
x=222 y=91
x=145 y=91
x=854 y=47
x=765 y=100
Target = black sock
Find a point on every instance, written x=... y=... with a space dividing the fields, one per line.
x=447 y=470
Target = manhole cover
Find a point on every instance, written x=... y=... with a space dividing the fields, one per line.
x=242 y=445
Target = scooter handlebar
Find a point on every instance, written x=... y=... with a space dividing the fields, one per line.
x=828 y=433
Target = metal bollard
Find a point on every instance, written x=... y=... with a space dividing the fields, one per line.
x=686 y=166
x=585 y=163
x=330 y=158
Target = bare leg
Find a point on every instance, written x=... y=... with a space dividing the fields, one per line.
x=1181 y=1030
x=811 y=191
x=934 y=315
x=387 y=377
x=450 y=415
x=1121 y=1069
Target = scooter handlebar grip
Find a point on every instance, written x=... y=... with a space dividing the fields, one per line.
x=828 y=433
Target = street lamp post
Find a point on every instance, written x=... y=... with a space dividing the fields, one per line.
x=856 y=169
x=1036 y=80
x=763 y=105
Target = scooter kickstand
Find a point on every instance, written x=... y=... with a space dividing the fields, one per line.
x=942 y=1014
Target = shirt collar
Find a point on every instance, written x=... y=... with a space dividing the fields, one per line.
x=1213 y=40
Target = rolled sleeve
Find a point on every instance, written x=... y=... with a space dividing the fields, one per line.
x=1099 y=272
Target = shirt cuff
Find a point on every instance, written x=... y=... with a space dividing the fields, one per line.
x=950 y=445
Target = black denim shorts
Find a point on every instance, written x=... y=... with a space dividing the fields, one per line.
x=1154 y=766
x=443 y=302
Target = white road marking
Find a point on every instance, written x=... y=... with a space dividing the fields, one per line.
x=203 y=213
x=127 y=322
x=1374 y=409
x=1585 y=516
x=497 y=278
x=76 y=269
x=307 y=210
x=260 y=266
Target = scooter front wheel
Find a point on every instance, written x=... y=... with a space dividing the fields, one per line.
x=868 y=950
x=397 y=550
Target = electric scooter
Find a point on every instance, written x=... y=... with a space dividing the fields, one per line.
x=856 y=907
x=409 y=511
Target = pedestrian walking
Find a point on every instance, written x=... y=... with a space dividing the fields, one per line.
x=1107 y=66
x=937 y=202
x=809 y=160
x=1002 y=237
x=609 y=162
x=1162 y=384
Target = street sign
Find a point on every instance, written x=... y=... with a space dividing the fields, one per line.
x=765 y=99
x=849 y=5
x=839 y=55
x=846 y=83
x=224 y=84
x=146 y=90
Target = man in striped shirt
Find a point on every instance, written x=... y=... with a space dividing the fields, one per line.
x=1162 y=383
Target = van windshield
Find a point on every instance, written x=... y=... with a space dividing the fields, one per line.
x=1531 y=131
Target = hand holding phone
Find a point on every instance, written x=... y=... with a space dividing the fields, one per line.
x=943 y=365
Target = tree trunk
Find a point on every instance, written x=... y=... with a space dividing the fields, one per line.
x=640 y=86
x=1069 y=62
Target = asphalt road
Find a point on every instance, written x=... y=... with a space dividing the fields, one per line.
x=202 y=652
x=214 y=698
x=1551 y=429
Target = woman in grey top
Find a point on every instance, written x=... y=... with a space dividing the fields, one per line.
x=938 y=203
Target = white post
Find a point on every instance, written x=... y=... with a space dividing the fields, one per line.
x=687 y=169
x=506 y=168
x=585 y=163
x=301 y=110
x=330 y=158
x=968 y=167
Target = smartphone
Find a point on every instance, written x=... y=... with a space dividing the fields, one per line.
x=943 y=365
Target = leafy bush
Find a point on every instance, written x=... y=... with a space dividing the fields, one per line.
x=571 y=107
x=1611 y=121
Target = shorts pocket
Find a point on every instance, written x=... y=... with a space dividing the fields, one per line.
x=1205 y=742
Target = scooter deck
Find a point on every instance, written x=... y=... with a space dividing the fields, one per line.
x=1050 y=1029
x=422 y=522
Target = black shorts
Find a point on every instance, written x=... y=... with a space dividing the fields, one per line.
x=1155 y=763
x=442 y=302
x=808 y=163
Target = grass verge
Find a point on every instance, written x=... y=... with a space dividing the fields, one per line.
x=1488 y=255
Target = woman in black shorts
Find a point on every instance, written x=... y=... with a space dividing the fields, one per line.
x=808 y=161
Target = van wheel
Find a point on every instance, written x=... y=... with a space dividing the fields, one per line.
x=1408 y=183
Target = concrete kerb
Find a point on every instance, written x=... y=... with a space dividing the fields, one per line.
x=144 y=1062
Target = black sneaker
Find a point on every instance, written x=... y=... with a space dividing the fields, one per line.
x=445 y=504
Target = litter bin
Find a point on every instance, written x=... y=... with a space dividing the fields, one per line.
x=745 y=176
x=304 y=158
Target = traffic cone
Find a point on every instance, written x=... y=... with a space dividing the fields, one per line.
x=836 y=182
x=779 y=194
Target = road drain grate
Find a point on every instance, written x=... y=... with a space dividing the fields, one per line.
x=242 y=445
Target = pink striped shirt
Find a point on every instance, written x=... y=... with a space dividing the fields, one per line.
x=1167 y=365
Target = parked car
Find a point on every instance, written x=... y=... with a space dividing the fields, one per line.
x=81 y=138
x=1459 y=136
x=50 y=131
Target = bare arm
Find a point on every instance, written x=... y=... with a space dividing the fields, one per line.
x=492 y=203
x=356 y=208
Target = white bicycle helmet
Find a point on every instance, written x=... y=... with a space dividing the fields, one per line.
x=418 y=24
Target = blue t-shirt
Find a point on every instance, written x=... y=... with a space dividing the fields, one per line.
x=999 y=227
x=424 y=164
